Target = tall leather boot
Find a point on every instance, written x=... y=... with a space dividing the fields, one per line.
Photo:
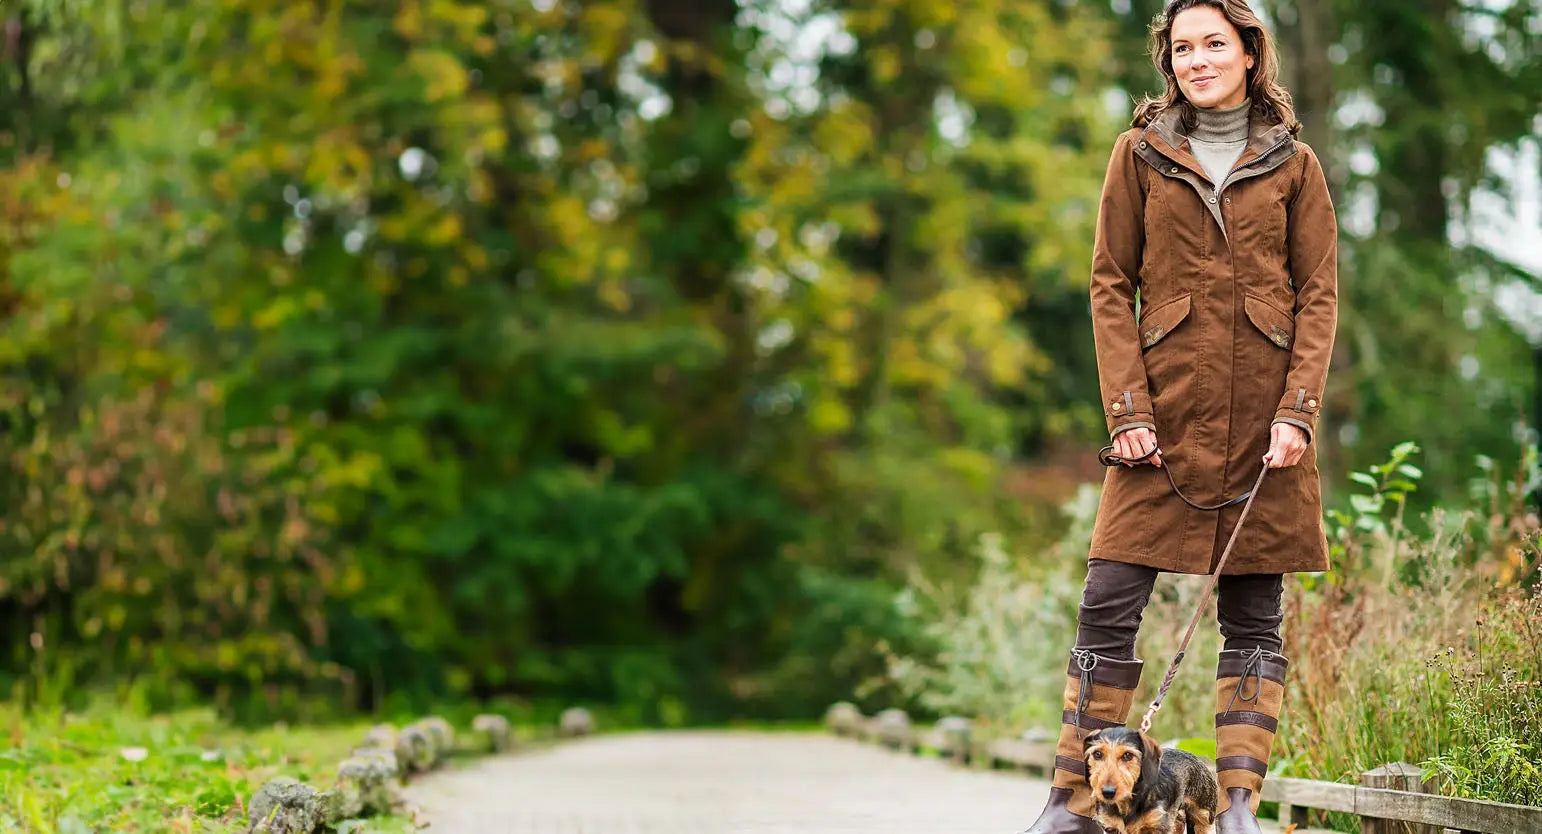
x=1098 y=693
x=1249 y=689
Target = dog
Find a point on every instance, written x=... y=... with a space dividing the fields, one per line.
x=1140 y=788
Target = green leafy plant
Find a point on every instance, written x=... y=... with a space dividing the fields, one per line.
x=1372 y=525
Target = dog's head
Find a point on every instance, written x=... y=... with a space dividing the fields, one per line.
x=1119 y=760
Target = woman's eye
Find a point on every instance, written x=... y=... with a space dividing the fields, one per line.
x=1218 y=43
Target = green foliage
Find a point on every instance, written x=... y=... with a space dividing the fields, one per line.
x=990 y=653
x=113 y=769
x=1363 y=538
x=1495 y=704
x=360 y=355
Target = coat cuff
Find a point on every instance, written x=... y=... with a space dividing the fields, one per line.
x=1127 y=410
x=1299 y=408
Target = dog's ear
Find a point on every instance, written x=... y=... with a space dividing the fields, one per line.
x=1150 y=759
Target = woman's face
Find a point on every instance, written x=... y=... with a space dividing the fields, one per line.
x=1208 y=58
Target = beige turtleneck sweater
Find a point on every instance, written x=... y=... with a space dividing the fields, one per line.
x=1219 y=138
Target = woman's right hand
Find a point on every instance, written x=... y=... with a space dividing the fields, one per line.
x=1135 y=443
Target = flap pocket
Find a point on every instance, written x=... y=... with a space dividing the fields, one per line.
x=1277 y=325
x=1161 y=319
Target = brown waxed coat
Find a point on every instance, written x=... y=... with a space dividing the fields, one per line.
x=1238 y=288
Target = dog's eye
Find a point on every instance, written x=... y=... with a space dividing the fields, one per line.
x=1097 y=754
x=1127 y=756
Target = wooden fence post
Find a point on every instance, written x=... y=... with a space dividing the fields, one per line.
x=1297 y=815
x=1398 y=776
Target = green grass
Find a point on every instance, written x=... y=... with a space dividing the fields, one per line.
x=74 y=773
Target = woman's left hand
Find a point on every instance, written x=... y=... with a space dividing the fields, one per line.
x=1286 y=445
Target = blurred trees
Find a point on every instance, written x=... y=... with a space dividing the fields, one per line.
x=634 y=351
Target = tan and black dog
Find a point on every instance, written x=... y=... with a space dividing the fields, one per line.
x=1140 y=788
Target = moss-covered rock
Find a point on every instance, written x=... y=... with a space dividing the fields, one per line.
x=371 y=780
x=576 y=721
x=338 y=804
x=414 y=749
x=442 y=734
x=893 y=730
x=381 y=735
x=285 y=806
x=494 y=732
x=844 y=719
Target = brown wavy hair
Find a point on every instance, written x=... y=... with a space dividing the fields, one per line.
x=1271 y=102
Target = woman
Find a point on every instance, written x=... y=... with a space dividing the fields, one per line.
x=1222 y=222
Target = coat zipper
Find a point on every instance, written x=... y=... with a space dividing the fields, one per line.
x=1215 y=194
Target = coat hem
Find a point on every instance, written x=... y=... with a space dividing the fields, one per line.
x=1176 y=566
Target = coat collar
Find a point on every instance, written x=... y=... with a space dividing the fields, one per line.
x=1165 y=134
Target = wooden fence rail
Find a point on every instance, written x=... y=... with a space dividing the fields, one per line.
x=1390 y=799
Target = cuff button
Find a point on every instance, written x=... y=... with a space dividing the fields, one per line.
x=1311 y=403
x=1118 y=407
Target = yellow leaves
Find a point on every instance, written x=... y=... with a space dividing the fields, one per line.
x=475 y=257
x=884 y=63
x=424 y=223
x=605 y=29
x=409 y=20
x=828 y=415
x=493 y=140
x=590 y=150
x=338 y=163
x=613 y=294
x=841 y=320
x=279 y=310
x=284 y=307
x=973 y=465
x=908 y=367
x=332 y=77
x=444 y=21
x=567 y=218
x=442 y=73
x=845 y=133
x=444 y=231
x=870 y=20
x=359 y=470
x=228 y=316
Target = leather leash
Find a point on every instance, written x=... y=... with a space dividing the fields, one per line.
x=1107 y=456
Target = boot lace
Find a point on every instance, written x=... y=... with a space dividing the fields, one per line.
x=1253 y=665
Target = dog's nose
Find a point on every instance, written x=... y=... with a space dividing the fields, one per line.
x=1108 y=791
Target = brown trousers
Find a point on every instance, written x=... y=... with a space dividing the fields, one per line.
x=1247 y=608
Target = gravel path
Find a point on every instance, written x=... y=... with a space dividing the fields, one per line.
x=723 y=782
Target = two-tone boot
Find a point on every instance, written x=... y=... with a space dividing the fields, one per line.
x=1098 y=693
x=1249 y=689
